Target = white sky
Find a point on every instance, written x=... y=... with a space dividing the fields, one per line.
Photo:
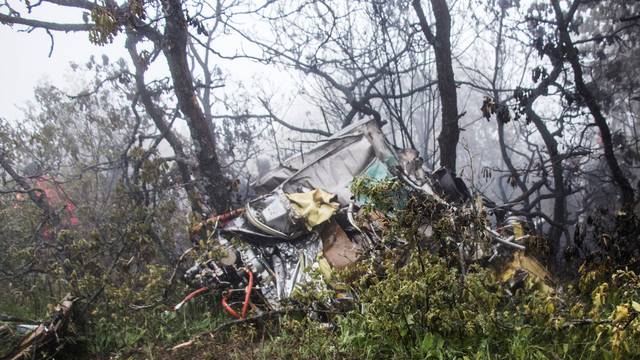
x=26 y=63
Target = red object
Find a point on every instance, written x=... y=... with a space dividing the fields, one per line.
x=222 y=219
x=247 y=298
x=189 y=297
x=57 y=197
x=225 y=305
x=228 y=308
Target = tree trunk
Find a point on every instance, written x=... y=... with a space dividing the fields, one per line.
x=559 y=191
x=175 y=50
x=158 y=118
x=441 y=42
x=571 y=53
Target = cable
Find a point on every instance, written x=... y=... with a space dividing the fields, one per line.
x=247 y=298
x=189 y=297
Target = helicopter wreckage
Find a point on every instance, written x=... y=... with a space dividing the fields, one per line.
x=306 y=219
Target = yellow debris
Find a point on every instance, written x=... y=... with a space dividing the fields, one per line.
x=315 y=206
x=531 y=266
x=518 y=232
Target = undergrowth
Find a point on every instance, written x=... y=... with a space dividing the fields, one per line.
x=427 y=309
x=435 y=314
x=411 y=302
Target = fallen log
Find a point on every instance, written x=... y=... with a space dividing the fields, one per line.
x=46 y=336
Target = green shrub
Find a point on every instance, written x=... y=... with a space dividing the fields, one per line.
x=423 y=308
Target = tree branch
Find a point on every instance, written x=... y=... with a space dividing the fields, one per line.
x=289 y=126
x=15 y=20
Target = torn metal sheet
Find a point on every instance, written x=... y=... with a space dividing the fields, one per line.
x=360 y=149
x=333 y=164
x=306 y=218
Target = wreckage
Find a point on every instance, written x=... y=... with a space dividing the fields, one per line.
x=304 y=220
x=33 y=339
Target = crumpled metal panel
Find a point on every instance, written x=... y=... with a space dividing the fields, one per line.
x=330 y=166
x=333 y=172
x=268 y=216
x=280 y=242
x=275 y=177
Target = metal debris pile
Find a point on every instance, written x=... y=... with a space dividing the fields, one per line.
x=306 y=219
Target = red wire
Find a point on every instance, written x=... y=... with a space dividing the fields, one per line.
x=247 y=295
x=191 y=296
x=247 y=298
x=228 y=308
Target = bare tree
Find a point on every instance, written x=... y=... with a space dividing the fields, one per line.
x=571 y=55
x=169 y=32
x=441 y=43
x=362 y=72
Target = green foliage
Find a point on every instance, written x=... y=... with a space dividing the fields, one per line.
x=106 y=26
x=436 y=314
x=382 y=195
x=414 y=311
x=119 y=326
x=426 y=309
x=303 y=338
